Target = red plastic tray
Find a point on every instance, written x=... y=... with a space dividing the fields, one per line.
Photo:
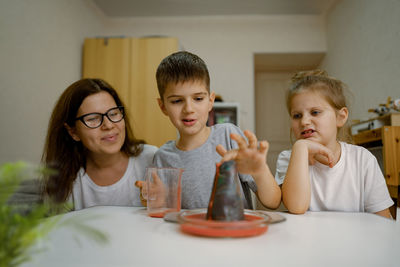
x=194 y=222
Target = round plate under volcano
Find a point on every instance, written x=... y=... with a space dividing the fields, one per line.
x=194 y=222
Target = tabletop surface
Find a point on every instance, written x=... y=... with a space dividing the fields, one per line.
x=311 y=239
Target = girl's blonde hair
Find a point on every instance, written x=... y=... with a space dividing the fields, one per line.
x=332 y=89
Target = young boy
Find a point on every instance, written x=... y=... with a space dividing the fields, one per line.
x=184 y=86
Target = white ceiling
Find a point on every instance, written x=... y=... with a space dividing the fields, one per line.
x=141 y=8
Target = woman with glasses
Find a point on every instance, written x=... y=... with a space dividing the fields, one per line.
x=92 y=147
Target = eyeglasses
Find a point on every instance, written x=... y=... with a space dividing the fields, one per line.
x=94 y=120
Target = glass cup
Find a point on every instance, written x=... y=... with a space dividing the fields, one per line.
x=162 y=190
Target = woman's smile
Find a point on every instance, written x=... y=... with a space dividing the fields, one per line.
x=110 y=138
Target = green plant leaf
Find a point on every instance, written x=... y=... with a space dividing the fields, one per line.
x=19 y=232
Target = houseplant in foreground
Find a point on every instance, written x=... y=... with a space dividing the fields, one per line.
x=21 y=228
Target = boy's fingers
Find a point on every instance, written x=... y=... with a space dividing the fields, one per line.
x=252 y=139
x=220 y=150
x=231 y=155
x=264 y=147
x=239 y=140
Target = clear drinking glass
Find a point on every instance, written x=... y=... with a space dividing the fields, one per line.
x=162 y=190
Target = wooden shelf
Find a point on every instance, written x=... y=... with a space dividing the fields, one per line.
x=389 y=139
x=367 y=136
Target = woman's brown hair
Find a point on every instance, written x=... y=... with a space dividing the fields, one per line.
x=66 y=155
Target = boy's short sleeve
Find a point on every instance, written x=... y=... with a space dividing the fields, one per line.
x=282 y=165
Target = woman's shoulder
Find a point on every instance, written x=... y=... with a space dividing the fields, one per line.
x=148 y=151
x=147 y=147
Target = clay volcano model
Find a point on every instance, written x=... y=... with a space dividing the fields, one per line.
x=226 y=202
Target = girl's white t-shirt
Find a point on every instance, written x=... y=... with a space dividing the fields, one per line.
x=85 y=193
x=354 y=184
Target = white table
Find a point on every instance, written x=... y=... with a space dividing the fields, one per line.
x=313 y=239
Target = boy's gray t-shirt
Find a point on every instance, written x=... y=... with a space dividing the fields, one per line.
x=200 y=165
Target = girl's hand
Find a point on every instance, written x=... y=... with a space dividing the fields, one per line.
x=317 y=152
x=249 y=158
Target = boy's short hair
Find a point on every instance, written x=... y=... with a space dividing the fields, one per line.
x=181 y=67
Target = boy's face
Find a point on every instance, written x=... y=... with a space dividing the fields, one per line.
x=187 y=105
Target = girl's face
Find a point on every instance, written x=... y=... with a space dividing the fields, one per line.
x=109 y=137
x=313 y=118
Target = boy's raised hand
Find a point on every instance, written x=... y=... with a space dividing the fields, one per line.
x=249 y=157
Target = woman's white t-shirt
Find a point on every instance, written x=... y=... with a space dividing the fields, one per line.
x=354 y=184
x=85 y=193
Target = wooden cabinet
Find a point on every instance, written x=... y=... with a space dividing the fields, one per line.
x=386 y=139
x=129 y=65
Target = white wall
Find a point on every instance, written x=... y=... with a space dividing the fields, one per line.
x=40 y=55
x=227 y=45
x=364 y=51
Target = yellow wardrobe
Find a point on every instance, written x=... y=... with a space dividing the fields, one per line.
x=129 y=65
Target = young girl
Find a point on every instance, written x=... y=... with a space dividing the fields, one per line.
x=91 y=145
x=320 y=173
